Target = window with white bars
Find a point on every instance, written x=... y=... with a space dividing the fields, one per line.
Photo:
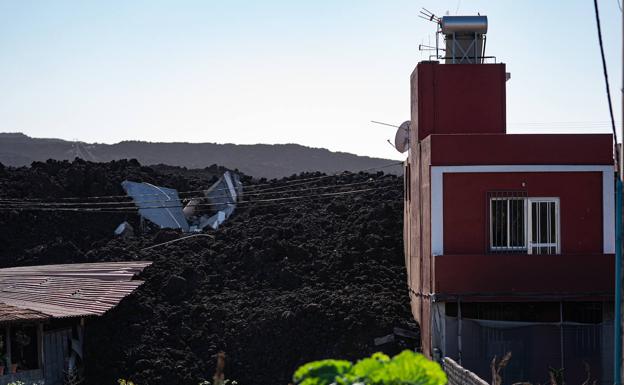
x=519 y=224
x=544 y=226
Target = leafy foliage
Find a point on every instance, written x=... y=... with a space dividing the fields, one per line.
x=406 y=368
x=364 y=368
x=322 y=372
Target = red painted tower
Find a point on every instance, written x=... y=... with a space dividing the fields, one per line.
x=509 y=239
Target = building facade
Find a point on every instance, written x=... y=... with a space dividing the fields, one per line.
x=509 y=238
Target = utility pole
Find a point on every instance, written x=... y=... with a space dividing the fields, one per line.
x=618 y=236
x=617 y=305
x=617 y=359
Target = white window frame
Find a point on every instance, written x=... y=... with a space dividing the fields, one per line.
x=528 y=225
x=530 y=243
x=524 y=234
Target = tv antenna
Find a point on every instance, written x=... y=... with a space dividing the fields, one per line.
x=428 y=15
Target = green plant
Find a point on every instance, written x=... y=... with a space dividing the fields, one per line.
x=121 y=381
x=406 y=368
x=322 y=372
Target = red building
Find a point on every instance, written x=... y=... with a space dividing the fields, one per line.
x=509 y=239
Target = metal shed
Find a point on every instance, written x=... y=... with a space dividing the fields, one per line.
x=42 y=312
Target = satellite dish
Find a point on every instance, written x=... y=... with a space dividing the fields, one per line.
x=401 y=139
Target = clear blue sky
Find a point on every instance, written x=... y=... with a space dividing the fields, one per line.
x=313 y=72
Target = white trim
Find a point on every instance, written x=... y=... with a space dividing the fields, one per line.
x=608 y=211
x=437 y=188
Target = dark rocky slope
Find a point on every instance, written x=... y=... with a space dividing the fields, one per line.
x=282 y=283
x=260 y=160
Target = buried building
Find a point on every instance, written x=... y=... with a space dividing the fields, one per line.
x=509 y=239
x=43 y=310
x=163 y=207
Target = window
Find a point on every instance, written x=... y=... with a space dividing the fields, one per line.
x=544 y=225
x=507 y=222
x=521 y=224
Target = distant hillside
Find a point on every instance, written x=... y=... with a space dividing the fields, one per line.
x=258 y=160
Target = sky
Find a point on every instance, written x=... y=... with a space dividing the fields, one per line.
x=308 y=72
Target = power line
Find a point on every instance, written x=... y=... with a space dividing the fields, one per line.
x=177 y=240
x=253 y=186
x=134 y=211
x=606 y=78
x=134 y=208
x=312 y=199
x=202 y=197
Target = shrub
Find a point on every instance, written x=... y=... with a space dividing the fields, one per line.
x=406 y=368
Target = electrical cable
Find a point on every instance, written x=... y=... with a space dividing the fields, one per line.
x=201 y=197
x=177 y=240
x=134 y=208
x=133 y=211
x=606 y=78
x=253 y=186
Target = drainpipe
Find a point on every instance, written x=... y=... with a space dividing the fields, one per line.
x=459 y=331
x=561 y=334
x=617 y=357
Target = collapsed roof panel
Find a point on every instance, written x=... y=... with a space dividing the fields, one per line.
x=222 y=197
x=224 y=192
x=159 y=205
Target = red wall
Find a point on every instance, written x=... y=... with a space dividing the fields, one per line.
x=508 y=275
x=418 y=240
x=465 y=207
x=458 y=98
x=574 y=149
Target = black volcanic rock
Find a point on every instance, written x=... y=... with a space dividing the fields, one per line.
x=282 y=283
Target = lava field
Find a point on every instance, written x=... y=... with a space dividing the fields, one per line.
x=308 y=267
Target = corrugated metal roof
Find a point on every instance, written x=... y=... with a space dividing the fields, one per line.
x=73 y=290
x=12 y=314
